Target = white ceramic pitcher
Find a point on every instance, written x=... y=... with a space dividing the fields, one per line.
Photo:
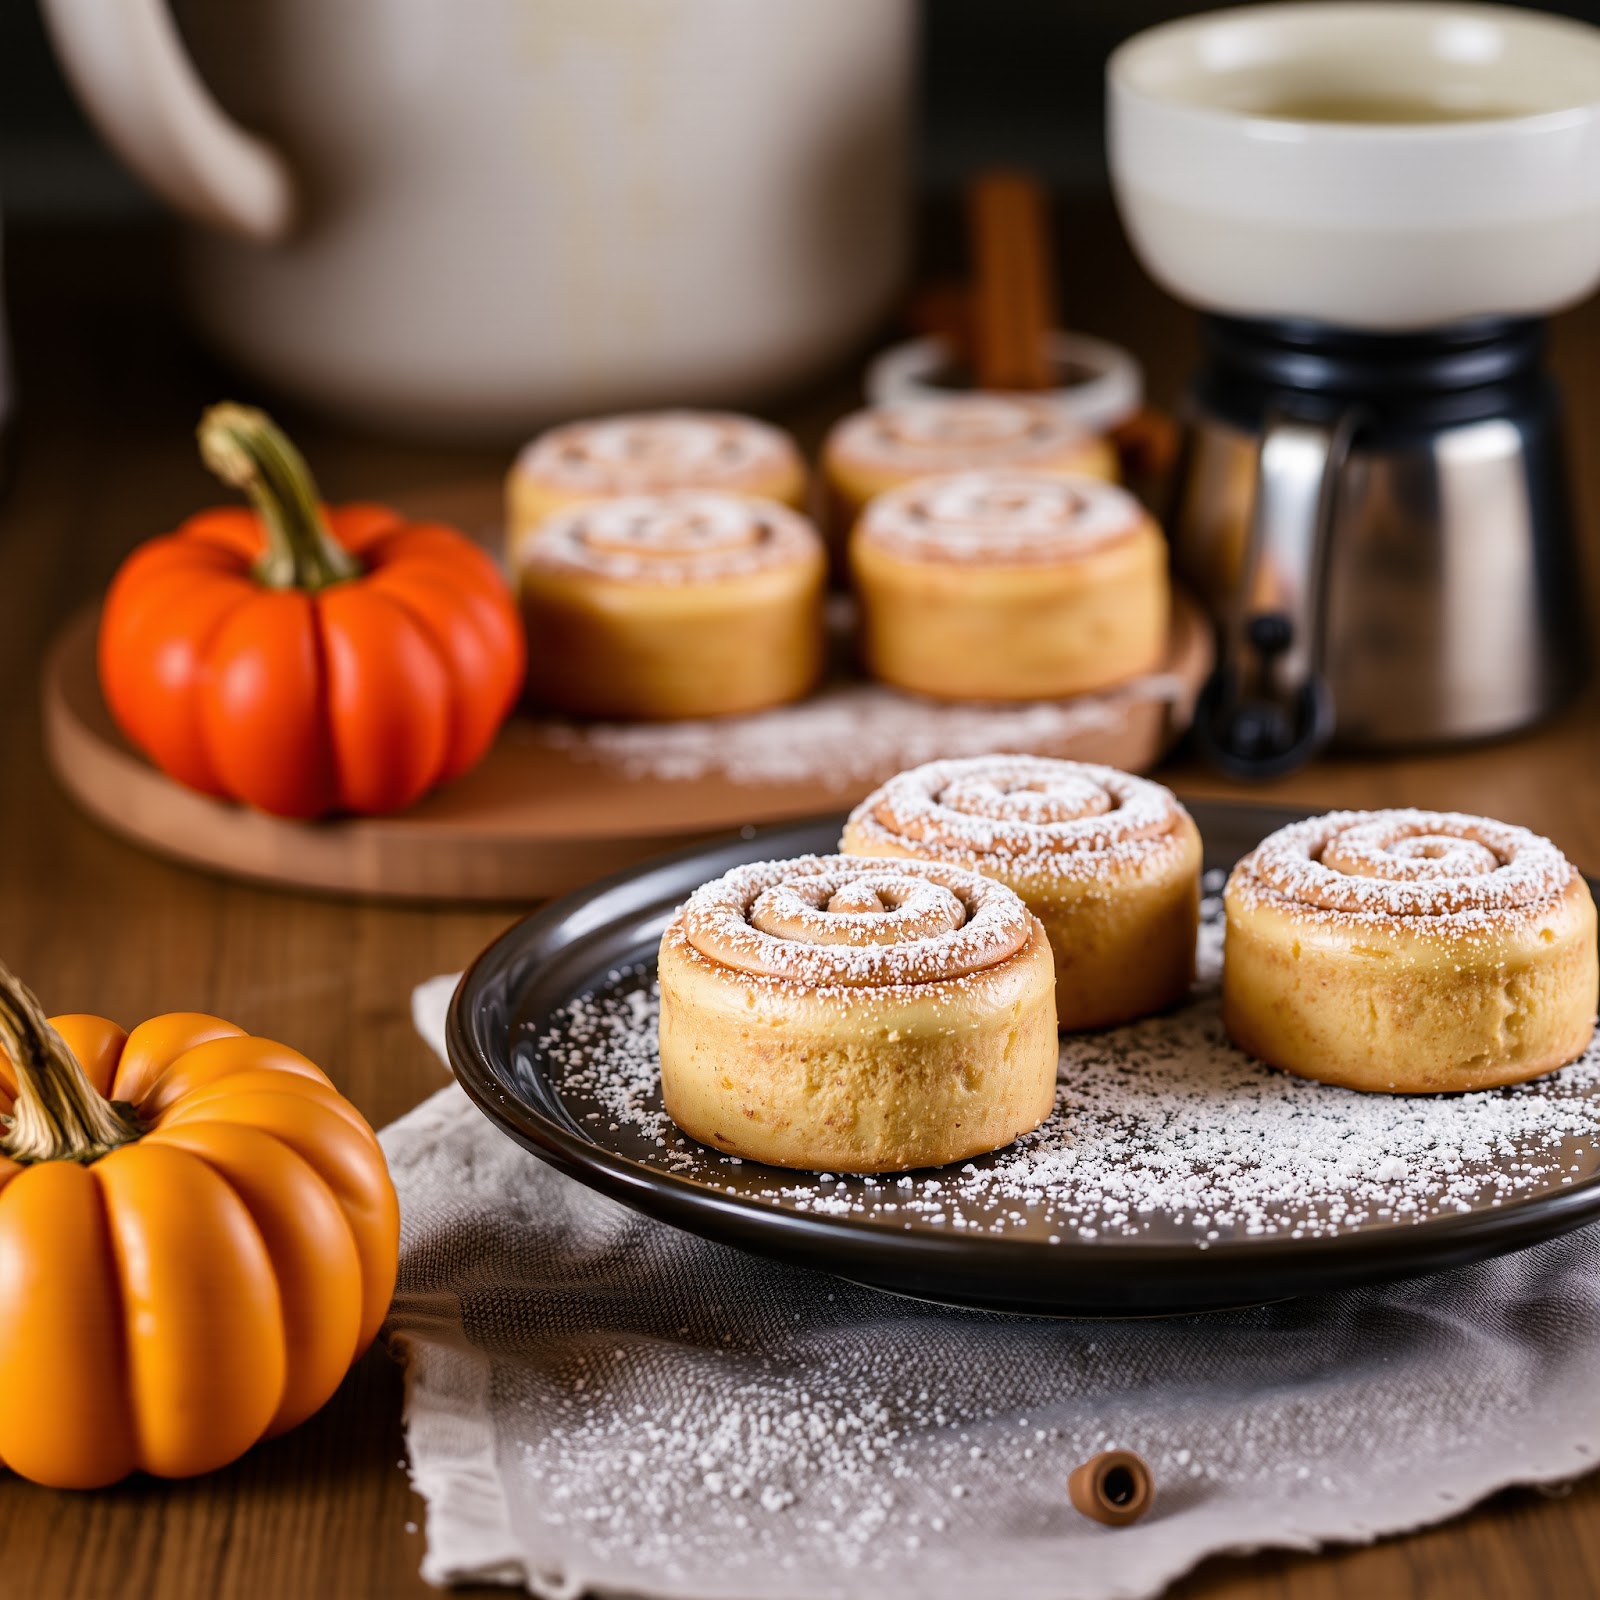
x=471 y=216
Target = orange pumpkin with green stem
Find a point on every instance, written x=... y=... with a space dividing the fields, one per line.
x=307 y=659
x=198 y=1236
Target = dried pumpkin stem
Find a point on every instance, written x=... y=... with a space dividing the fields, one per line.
x=58 y=1115
x=247 y=450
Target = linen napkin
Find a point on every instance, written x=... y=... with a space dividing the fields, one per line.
x=597 y=1402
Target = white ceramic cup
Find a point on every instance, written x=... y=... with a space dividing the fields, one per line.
x=1373 y=165
x=476 y=216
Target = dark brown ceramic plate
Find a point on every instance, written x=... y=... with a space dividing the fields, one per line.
x=554 y=1101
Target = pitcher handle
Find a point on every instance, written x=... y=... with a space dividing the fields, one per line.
x=1267 y=709
x=136 y=81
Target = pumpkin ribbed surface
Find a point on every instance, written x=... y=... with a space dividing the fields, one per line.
x=202 y=1286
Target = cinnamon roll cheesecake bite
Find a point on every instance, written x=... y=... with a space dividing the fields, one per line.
x=650 y=452
x=856 y=1016
x=1108 y=863
x=676 y=605
x=882 y=447
x=1415 y=952
x=1009 y=586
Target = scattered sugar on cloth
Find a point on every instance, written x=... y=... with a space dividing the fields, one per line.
x=600 y=1403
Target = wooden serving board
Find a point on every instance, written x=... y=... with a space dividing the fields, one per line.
x=552 y=806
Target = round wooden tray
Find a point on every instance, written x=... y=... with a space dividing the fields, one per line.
x=547 y=810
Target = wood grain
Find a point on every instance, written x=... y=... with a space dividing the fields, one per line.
x=111 y=388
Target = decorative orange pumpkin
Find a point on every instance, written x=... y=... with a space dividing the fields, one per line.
x=198 y=1236
x=307 y=659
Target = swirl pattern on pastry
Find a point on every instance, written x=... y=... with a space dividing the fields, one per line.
x=1035 y=814
x=1404 y=865
x=1010 y=517
x=655 y=450
x=977 y=430
x=681 y=537
x=852 y=923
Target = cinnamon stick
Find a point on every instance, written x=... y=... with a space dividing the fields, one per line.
x=1013 y=310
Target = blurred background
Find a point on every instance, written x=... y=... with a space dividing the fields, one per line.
x=1016 y=81
x=502 y=216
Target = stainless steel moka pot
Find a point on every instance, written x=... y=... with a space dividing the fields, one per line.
x=1380 y=526
x=1376 y=204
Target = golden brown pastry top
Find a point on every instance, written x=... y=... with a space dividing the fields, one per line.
x=951 y=435
x=685 y=536
x=1025 y=815
x=647 y=451
x=1444 y=871
x=1000 y=518
x=851 y=923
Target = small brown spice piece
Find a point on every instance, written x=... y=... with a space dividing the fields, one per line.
x=1147 y=444
x=1114 y=1487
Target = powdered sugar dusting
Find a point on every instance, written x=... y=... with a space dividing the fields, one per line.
x=848 y=735
x=1162 y=1131
x=956 y=434
x=1463 y=874
x=841 y=921
x=817 y=1462
x=989 y=518
x=684 y=536
x=1026 y=814
x=648 y=451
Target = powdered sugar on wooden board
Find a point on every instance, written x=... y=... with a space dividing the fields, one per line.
x=1161 y=1129
x=850 y=734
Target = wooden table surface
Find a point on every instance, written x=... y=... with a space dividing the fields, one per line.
x=110 y=386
